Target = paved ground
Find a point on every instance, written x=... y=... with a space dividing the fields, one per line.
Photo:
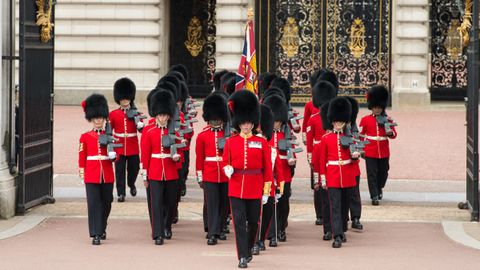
x=418 y=224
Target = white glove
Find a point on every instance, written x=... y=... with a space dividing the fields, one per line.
x=292 y=161
x=309 y=158
x=264 y=199
x=304 y=138
x=323 y=181
x=277 y=197
x=176 y=157
x=228 y=170
x=140 y=125
x=112 y=155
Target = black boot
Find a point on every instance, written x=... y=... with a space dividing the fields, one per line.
x=159 y=241
x=261 y=245
x=282 y=236
x=375 y=201
x=103 y=236
x=121 y=198
x=356 y=224
x=96 y=240
x=319 y=221
x=327 y=236
x=212 y=241
x=222 y=236
x=133 y=191
x=337 y=242
x=242 y=263
x=273 y=242
x=255 y=249
x=344 y=238
x=168 y=233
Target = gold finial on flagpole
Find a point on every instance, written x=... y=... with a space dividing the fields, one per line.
x=250 y=14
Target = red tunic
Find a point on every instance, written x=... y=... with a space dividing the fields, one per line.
x=93 y=159
x=209 y=157
x=376 y=135
x=315 y=132
x=307 y=113
x=125 y=131
x=277 y=171
x=156 y=159
x=287 y=173
x=335 y=163
x=251 y=159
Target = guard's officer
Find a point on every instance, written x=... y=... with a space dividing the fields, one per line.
x=125 y=131
x=247 y=162
x=210 y=175
x=159 y=166
x=95 y=167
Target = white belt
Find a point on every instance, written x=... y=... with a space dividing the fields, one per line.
x=125 y=135
x=377 y=138
x=282 y=157
x=316 y=142
x=339 y=162
x=161 y=156
x=98 y=158
x=213 y=159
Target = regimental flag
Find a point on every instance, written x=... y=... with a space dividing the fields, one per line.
x=247 y=70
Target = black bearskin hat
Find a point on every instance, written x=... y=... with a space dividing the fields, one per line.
x=264 y=81
x=323 y=92
x=176 y=74
x=266 y=121
x=226 y=82
x=173 y=80
x=355 y=108
x=217 y=77
x=314 y=77
x=95 y=106
x=273 y=91
x=149 y=101
x=339 y=110
x=377 y=96
x=229 y=86
x=330 y=76
x=326 y=125
x=162 y=102
x=182 y=69
x=284 y=85
x=278 y=106
x=124 y=88
x=245 y=107
x=215 y=107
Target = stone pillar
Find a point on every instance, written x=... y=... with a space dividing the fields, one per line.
x=411 y=54
x=7 y=181
x=231 y=20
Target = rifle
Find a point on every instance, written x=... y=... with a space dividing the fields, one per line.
x=228 y=132
x=351 y=140
x=169 y=141
x=382 y=120
x=190 y=106
x=107 y=139
x=178 y=124
x=135 y=115
x=286 y=144
x=292 y=118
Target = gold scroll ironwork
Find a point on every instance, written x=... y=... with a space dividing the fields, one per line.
x=357 y=42
x=466 y=25
x=453 y=41
x=194 y=42
x=44 y=19
x=290 y=39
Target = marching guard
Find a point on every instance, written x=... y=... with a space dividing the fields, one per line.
x=210 y=175
x=95 y=159
x=159 y=166
x=126 y=121
x=247 y=164
x=378 y=129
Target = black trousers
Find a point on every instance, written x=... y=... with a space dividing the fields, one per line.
x=205 y=211
x=99 y=204
x=377 y=174
x=337 y=200
x=182 y=186
x=283 y=207
x=163 y=196
x=326 y=210
x=217 y=196
x=129 y=164
x=245 y=221
x=355 y=203
x=268 y=226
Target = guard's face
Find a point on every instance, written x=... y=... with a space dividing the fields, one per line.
x=277 y=125
x=338 y=125
x=246 y=127
x=124 y=103
x=98 y=122
x=163 y=119
x=377 y=110
x=216 y=123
